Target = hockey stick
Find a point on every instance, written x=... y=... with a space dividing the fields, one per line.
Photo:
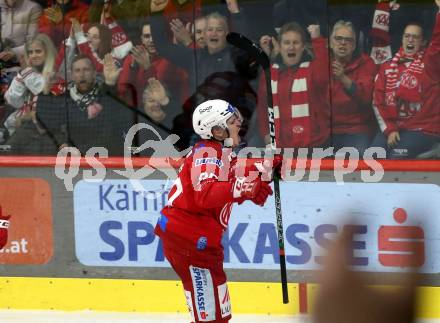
x=260 y=56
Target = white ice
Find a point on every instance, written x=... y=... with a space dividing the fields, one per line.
x=14 y=316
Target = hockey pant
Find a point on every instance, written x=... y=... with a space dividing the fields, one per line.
x=204 y=281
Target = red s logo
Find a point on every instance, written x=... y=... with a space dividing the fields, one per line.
x=401 y=246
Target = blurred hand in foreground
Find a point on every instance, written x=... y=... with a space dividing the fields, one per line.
x=344 y=296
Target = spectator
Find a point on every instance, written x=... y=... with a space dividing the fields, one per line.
x=56 y=20
x=127 y=13
x=145 y=63
x=199 y=28
x=19 y=24
x=300 y=87
x=351 y=90
x=155 y=97
x=96 y=44
x=304 y=12
x=190 y=35
x=28 y=135
x=160 y=113
x=120 y=42
x=409 y=12
x=92 y=116
x=216 y=57
x=359 y=14
x=184 y=10
x=406 y=95
x=390 y=20
x=158 y=5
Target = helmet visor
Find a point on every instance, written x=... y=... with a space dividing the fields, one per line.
x=236 y=115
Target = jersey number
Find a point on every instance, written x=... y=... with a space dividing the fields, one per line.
x=179 y=190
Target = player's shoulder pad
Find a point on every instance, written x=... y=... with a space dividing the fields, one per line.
x=207 y=152
x=207 y=145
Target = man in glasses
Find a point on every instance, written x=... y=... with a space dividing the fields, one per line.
x=215 y=56
x=351 y=90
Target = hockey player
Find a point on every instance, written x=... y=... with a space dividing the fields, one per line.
x=4 y=226
x=198 y=210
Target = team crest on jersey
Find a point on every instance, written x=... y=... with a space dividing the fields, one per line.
x=225 y=214
x=409 y=81
x=298 y=129
x=202 y=243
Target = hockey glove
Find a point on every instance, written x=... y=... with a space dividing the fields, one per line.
x=4 y=225
x=267 y=169
x=255 y=190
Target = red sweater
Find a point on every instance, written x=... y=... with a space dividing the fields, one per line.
x=133 y=79
x=426 y=117
x=78 y=10
x=353 y=114
x=318 y=94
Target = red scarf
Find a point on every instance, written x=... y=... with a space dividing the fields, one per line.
x=407 y=86
x=381 y=50
x=120 y=42
x=299 y=128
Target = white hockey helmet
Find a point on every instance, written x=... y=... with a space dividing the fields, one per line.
x=212 y=113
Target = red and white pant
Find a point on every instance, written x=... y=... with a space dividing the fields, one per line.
x=203 y=278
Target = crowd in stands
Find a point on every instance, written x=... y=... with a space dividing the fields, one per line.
x=81 y=73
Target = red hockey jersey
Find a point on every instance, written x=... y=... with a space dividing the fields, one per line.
x=200 y=201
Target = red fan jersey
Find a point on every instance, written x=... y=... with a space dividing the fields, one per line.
x=200 y=201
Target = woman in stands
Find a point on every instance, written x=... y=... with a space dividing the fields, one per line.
x=407 y=95
x=37 y=77
x=95 y=44
x=300 y=87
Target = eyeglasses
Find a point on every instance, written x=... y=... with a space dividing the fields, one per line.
x=146 y=36
x=409 y=36
x=339 y=39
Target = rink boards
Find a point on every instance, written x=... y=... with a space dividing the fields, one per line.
x=165 y=296
x=59 y=234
